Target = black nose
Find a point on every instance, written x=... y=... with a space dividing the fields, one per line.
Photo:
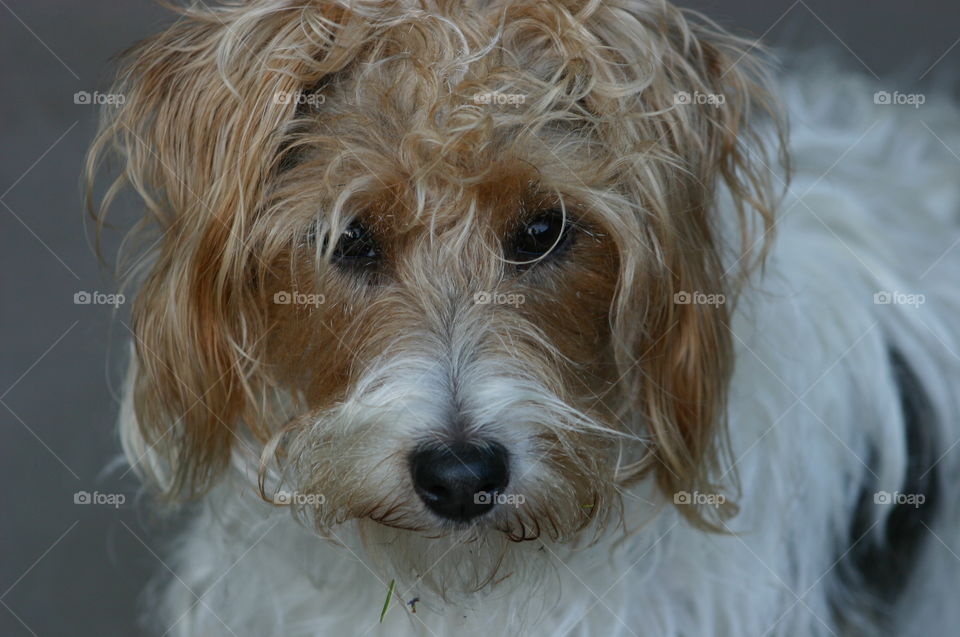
x=459 y=481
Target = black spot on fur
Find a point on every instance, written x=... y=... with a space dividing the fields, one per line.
x=883 y=562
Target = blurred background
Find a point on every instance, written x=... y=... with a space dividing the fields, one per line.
x=77 y=545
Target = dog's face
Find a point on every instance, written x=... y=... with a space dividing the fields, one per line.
x=447 y=334
x=425 y=260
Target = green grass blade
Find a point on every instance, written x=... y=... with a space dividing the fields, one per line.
x=386 y=602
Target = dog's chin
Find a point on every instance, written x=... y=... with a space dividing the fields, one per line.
x=455 y=561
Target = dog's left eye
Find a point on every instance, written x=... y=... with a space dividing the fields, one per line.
x=356 y=247
x=549 y=233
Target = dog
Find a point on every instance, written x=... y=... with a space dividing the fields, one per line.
x=533 y=317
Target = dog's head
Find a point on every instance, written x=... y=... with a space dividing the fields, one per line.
x=443 y=264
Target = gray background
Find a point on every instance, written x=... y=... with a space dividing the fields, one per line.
x=78 y=570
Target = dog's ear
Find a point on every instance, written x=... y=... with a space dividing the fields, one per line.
x=683 y=106
x=198 y=133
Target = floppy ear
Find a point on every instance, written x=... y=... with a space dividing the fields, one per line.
x=197 y=136
x=680 y=102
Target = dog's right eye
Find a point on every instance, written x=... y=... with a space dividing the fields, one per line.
x=356 y=247
x=548 y=234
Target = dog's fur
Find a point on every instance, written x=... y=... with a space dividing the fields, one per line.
x=700 y=396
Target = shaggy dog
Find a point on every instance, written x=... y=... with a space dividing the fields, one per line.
x=504 y=312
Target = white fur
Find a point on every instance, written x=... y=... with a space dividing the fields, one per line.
x=874 y=202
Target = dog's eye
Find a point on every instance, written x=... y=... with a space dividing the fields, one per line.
x=356 y=247
x=549 y=233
